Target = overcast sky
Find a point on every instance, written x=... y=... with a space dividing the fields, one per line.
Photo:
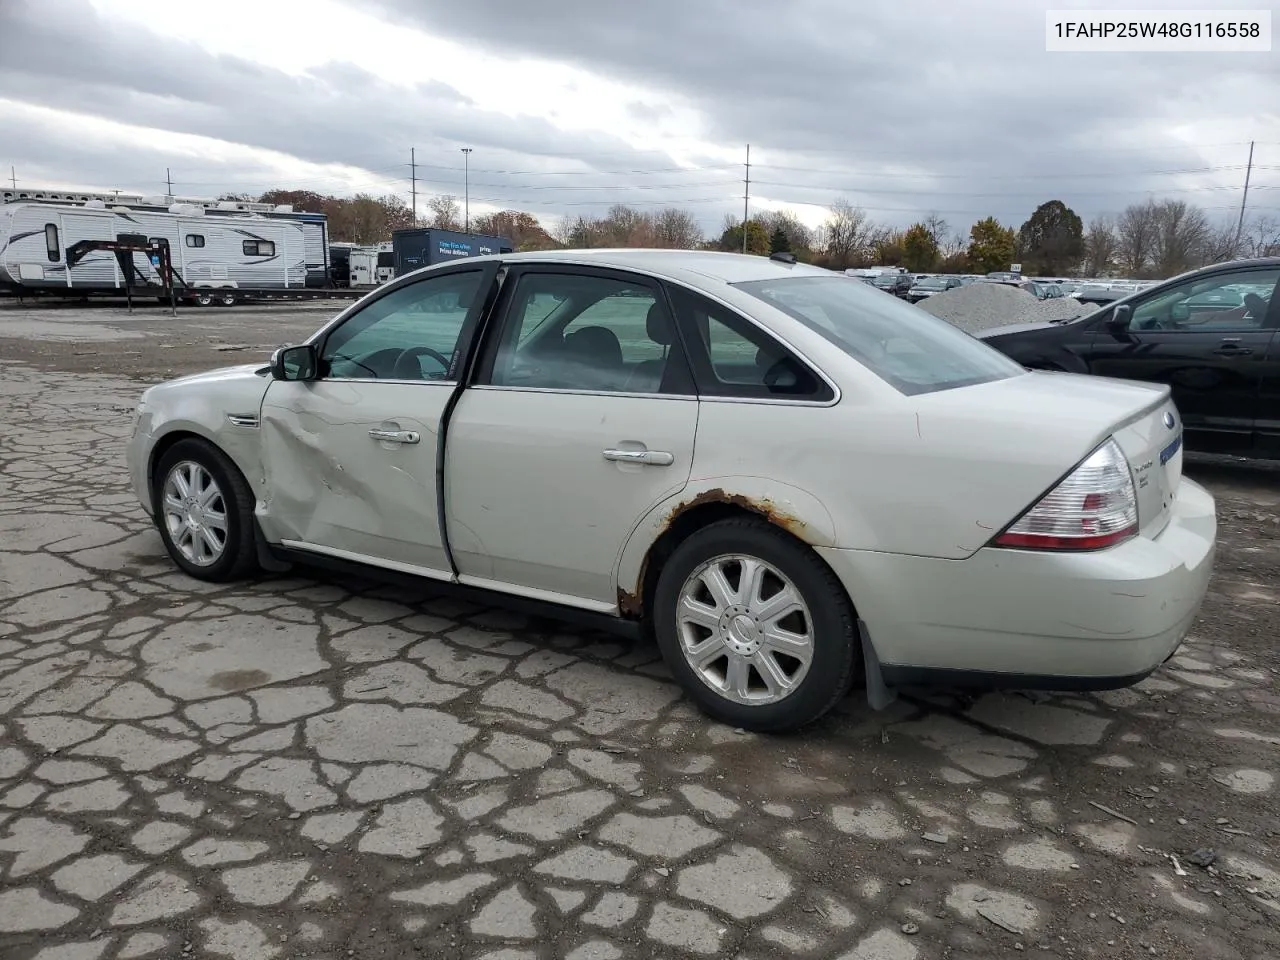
x=906 y=108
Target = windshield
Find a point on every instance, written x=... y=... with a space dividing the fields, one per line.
x=932 y=283
x=912 y=351
x=886 y=279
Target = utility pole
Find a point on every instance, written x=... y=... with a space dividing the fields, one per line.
x=168 y=179
x=1244 y=198
x=466 y=189
x=413 y=180
x=13 y=177
x=746 y=199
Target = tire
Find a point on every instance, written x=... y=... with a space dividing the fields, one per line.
x=834 y=656
x=237 y=559
x=227 y=299
x=203 y=299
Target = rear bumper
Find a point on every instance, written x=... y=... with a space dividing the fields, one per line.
x=1025 y=619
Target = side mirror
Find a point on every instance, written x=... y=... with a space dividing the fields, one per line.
x=294 y=363
x=1118 y=322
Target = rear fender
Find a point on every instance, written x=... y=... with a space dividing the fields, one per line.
x=797 y=511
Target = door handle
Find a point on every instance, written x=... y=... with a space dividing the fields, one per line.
x=657 y=458
x=1230 y=350
x=396 y=436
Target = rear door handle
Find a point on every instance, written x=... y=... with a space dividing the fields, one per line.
x=1232 y=351
x=396 y=436
x=657 y=458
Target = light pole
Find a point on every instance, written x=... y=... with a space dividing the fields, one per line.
x=466 y=189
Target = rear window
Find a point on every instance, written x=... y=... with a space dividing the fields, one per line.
x=909 y=349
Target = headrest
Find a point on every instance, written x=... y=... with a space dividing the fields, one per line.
x=658 y=325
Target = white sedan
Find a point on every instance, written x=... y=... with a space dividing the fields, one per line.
x=793 y=481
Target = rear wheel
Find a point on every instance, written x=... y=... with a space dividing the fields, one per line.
x=204 y=509
x=227 y=298
x=204 y=299
x=756 y=628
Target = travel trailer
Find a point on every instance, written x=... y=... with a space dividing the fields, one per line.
x=221 y=250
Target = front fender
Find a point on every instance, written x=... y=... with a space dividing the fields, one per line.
x=791 y=508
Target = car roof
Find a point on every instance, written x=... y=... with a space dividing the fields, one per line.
x=725 y=267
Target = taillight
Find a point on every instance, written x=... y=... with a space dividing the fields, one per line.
x=1095 y=506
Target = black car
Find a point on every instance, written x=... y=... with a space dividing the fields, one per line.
x=1210 y=334
x=899 y=284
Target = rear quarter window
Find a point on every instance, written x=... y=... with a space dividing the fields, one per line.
x=911 y=350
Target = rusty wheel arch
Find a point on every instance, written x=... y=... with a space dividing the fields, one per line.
x=681 y=522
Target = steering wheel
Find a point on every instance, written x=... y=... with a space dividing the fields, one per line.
x=1257 y=307
x=407 y=366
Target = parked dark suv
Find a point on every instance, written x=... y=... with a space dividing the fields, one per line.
x=899 y=284
x=1210 y=334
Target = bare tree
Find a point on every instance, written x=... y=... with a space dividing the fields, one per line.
x=1180 y=236
x=1136 y=235
x=849 y=233
x=1219 y=244
x=937 y=228
x=1100 y=245
x=1261 y=236
x=445 y=213
x=676 y=228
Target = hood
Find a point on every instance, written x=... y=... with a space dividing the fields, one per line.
x=990 y=332
x=238 y=372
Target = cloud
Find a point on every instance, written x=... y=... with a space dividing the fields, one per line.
x=908 y=108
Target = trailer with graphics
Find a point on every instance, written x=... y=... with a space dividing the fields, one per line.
x=422 y=247
x=220 y=251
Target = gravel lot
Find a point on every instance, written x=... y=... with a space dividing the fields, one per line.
x=313 y=767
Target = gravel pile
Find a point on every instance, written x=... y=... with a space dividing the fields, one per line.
x=979 y=306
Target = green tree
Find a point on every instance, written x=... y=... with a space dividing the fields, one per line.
x=778 y=242
x=919 y=248
x=757 y=239
x=991 y=246
x=1052 y=239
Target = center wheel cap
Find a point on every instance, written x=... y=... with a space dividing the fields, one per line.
x=742 y=635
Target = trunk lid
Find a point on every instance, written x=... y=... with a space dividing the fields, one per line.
x=1057 y=419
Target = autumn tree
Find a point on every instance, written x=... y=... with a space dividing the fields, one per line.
x=522 y=229
x=888 y=248
x=991 y=246
x=1099 y=246
x=1052 y=239
x=919 y=248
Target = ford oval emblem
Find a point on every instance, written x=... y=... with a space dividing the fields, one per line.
x=1168 y=420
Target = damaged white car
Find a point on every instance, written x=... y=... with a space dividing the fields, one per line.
x=794 y=482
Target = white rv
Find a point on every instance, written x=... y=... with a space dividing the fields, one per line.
x=219 y=249
x=385 y=270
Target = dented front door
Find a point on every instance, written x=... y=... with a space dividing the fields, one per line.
x=350 y=458
x=351 y=469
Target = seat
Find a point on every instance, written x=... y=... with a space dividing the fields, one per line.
x=647 y=375
x=594 y=359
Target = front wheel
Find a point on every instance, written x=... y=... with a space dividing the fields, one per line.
x=204 y=510
x=755 y=627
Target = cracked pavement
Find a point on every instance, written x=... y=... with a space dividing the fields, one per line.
x=310 y=766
